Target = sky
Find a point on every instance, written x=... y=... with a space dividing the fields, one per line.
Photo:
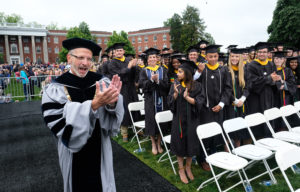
x=241 y=22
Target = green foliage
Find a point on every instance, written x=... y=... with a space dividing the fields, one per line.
x=122 y=37
x=188 y=29
x=285 y=26
x=13 y=18
x=82 y=31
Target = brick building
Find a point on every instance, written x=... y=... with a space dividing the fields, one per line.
x=155 y=37
x=17 y=42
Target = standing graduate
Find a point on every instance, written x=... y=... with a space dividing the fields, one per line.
x=237 y=106
x=292 y=63
x=154 y=82
x=286 y=87
x=193 y=55
x=185 y=100
x=261 y=77
x=173 y=67
x=83 y=114
x=216 y=83
x=105 y=65
x=126 y=70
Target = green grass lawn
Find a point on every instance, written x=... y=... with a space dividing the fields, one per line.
x=165 y=170
x=16 y=90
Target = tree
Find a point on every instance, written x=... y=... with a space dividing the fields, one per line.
x=188 y=29
x=13 y=18
x=122 y=37
x=175 y=25
x=52 y=26
x=82 y=31
x=285 y=26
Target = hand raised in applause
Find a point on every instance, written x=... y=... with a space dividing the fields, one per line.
x=108 y=95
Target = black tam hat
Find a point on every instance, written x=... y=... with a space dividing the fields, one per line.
x=152 y=51
x=212 y=48
x=74 y=43
x=189 y=65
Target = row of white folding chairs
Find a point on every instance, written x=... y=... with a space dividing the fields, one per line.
x=261 y=150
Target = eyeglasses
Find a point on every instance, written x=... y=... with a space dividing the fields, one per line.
x=82 y=58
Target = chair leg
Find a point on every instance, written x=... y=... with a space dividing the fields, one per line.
x=269 y=171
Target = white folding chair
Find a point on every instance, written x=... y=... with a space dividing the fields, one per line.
x=289 y=110
x=288 y=136
x=163 y=117
x=223 y=160
x=287 y=157
x=297 y=105
x=137 y=106
x=268 y=143
x=249 y=151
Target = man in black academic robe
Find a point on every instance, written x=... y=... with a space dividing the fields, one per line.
x=217 y=88
x=261 y=77
x=127 y=71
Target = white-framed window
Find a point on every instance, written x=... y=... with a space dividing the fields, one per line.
x=26 y=49
x=133 y=40
x=164 y=37
x=164 y=45
x=155 y=46
x=49 y=39
x=13 y=48
x=170 y=45
x=49 y=50
x=25 y=39
x=39 y=60
x=1 y=49
x=139 y=39
x=146 y=39
x=146 y=47
x=99 y=41
x=57 y=60
x=37 y=39
x=55 y=40
x=56 y=50
x=154 y=38
x=13 y=39
x=140 y=49
x=105 y=41
x=38 y=49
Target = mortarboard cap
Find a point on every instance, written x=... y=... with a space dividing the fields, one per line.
x=189 y=65
x=236 y=51
x=152 y=51
x=177 y=56
x=108 y=49
x=288 y=59
x=212 y=48
x=231 y=47
x=76 y=42
x=261 y=45
x=165 y=55
x=118 y=45
x=129 y=54
x=202 y=42
x=279 y=54
x=104 y=55
x=251 y=48
x=165 y=49
x=193 y=48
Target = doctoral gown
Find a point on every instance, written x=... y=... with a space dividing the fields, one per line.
x=83 y=135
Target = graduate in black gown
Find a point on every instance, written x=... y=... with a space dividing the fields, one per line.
x=261 y=77
x=185 y=100
x=126 y=70
x=216 y=83
x=286 y=87
x=237 y=106
x=173 y=67
x=154 y=83
x=105 y=65
x=292 y=63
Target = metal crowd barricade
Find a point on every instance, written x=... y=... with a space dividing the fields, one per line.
x=14 y=88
